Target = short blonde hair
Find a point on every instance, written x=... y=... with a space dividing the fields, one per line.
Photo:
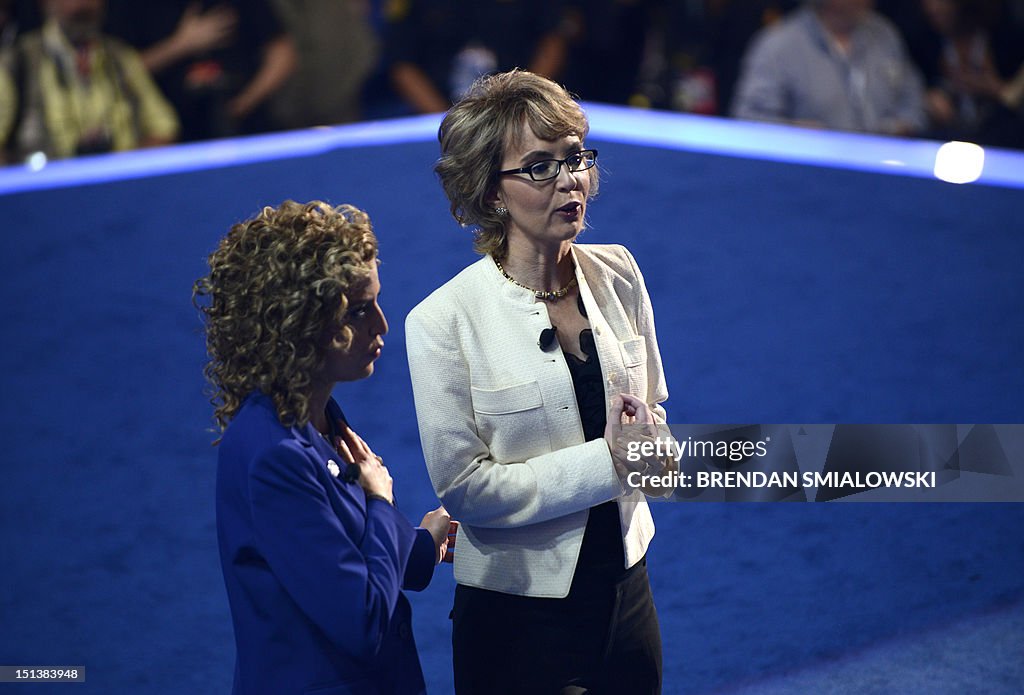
x=278 y=285
x=476 y=132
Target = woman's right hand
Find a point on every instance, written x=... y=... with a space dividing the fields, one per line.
x=373 y=474
x=443 y=530
x=630 y=410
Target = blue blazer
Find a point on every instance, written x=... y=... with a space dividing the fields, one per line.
x=314 y=571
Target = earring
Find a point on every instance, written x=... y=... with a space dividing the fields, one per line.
x=500 y=211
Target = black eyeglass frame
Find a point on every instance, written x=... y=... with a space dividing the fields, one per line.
x=582 y=154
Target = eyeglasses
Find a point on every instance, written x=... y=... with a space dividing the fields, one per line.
x=550 y=168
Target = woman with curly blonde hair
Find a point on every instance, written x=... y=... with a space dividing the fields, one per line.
x=314 y=553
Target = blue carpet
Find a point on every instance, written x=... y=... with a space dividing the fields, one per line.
x=783 y=293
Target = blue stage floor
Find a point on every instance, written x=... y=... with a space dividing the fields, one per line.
x=796 y=277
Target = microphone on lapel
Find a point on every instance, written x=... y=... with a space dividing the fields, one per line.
x=547 y=338
x=351 y=473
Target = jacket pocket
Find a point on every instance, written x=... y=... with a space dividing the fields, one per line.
x=634 y=359
x=511 y=421
x=634 y=351
x=512 y=399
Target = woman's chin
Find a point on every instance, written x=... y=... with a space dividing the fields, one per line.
x=357 y=374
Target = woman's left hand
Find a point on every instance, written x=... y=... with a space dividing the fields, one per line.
x=628 y=410
x=635 y=411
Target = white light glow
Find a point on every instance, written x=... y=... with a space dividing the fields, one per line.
x=959 y=162
x=36 y=161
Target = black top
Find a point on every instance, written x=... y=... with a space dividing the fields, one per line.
x=601 y=556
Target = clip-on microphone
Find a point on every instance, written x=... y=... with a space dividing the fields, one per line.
x=547 y=338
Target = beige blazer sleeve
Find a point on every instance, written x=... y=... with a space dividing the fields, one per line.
x=511 y=479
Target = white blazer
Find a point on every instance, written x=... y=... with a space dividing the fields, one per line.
x=500 y=427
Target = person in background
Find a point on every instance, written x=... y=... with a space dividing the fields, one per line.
x=8 y=30
x=218 y=61
x=72 y=90
x=972 y=96
x=313 y=550
x=338 y=46
x=6 y=112
x=832 y=64
x=436 y=49
x=731 y=26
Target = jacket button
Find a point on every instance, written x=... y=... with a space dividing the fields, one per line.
x=404 y=632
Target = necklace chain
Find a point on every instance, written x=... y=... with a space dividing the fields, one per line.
x=550 y=295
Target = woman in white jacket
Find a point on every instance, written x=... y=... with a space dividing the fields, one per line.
x=524 y=366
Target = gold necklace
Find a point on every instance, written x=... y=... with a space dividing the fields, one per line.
x=551 y=295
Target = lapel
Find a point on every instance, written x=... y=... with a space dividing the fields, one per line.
x=605 y=339
x=328 y=460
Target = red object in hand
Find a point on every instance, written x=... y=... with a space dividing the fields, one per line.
x=453 y=530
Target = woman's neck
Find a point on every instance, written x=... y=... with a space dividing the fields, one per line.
x=540 y=268
x=318 y=398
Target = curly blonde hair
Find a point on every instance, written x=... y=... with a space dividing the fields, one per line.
x=476 y=131
x=277 y=290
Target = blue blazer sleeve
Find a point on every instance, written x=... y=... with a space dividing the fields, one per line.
x=422 y=560
x=344 y=570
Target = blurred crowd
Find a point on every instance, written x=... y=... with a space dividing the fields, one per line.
x=89 y=76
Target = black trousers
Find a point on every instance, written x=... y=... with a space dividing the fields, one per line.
x=602 y=638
